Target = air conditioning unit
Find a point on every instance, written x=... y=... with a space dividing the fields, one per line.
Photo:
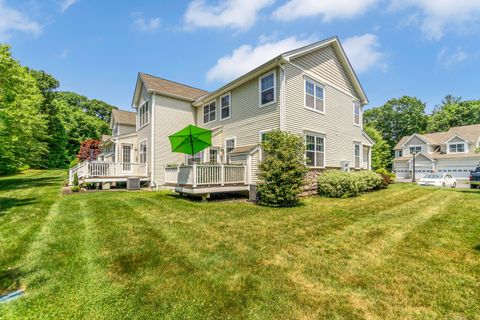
x=133 y=183
x=345 y=165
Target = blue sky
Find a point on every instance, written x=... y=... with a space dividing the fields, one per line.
x=423 y=48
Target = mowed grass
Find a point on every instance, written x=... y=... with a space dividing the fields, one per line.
x=401 y=253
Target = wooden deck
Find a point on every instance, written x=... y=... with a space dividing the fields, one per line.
x=99 y=171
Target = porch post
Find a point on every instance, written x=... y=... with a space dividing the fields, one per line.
x=194 y=175
x=222 y=175
x=369 y=158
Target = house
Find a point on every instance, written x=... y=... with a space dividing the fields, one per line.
x=451 y=152
x=312 y=91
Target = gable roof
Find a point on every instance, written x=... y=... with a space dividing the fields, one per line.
x=284 y=58
x=168 y=88
x=124 y=117
x=471 y=133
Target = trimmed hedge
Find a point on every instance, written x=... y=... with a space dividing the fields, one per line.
x=340 y=184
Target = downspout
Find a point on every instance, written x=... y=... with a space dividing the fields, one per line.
x=282 y=97
x=152 y=145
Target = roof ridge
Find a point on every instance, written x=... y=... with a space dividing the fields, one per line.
x=176 y=82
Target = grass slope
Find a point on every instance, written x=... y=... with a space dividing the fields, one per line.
x=405 y=252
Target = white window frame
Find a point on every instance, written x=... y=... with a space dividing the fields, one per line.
x=261 y=133
x=360 y=155
x=414 y=146
x=273 y=72
x=315 y=84
x=143 y=116
x=456 y=144
x=356 y=103
x=209 y=113
x=229 y=94
x=142 y=142
x=316 y=135
x=217 y=160
x=225 y=147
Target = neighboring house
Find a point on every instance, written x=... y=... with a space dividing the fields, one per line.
x=312 y=91
x=450 y=152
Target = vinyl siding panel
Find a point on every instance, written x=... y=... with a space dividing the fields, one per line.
x=325 y=64
x=415 y=141
x=126 y=129
x=145 y=131
x=171 y=115
x=254 y=170
x=456 y=139
x=247 y=118
x=336 y=124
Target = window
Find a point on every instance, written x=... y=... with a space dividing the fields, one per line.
x=143 y=152
x=314 y=96
x=264 y=135
x=356 y=152
x=315 y=150
x=195 y=159
x=267 y=89
x=356 y=113
x=416 y=149
x=143 y=114
x=213 y=155
x=209 y=112
x=400 y=153
x=229 y=145
x=456 y=147
x=225 y=106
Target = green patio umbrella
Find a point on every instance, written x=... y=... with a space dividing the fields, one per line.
x=191 y=140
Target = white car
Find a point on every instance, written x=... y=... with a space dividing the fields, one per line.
x=438 y=180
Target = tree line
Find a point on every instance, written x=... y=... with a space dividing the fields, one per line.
x=41 y=127
x=405 y=116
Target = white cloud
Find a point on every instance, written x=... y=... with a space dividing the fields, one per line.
x=246 y=57
x=363 y=53
x=65 y=4
x=449 y=58
x=147 y=25
x=438 y=16
x=14 y=20
x=235 y=14
x=328 y=9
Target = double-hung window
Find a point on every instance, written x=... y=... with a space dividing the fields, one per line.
x=209 y=112
x=267 y=89
x=195 y=159
x=143 y=114
x=456 y=148
x=356 y=153
x=314 y=96
x=416 y=149
x=356 y=113
x=225 y=102
x=315 y=150
x=213 y=155
x=143 y=152
x=229 y=146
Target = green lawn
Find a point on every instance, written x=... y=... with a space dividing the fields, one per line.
x=405 y=252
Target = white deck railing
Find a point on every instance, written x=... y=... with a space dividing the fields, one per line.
x=206 y=174
x=100 y=169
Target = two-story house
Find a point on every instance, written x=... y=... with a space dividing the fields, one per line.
x=312 y=91
x=450 y=152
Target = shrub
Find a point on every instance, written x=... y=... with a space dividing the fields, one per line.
x=75 y=188
x=90 y=186
x=75 y=180
x=340 y=184
x=282 y=171
x=387 y=177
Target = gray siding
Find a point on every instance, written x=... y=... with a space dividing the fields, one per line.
x=336 y=124
x=144 y=133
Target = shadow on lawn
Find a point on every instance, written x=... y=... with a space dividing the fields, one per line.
x=477 y=247
x=10 y=280
x=24 y=183
x=8 y=203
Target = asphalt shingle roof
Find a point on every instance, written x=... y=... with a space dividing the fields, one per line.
x=171 y=88
x=124 y=117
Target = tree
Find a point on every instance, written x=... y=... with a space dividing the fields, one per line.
x=282 y=171
x=452 y=113
x=381 y=151
x=397 y=118
x=22 y=124
x=89 y=150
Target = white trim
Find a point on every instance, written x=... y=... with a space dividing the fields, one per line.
x=465 y=147
x=262 y=132
x=282 y=98
x=315 y=84
x=415 y=146
x=359 y=124
x=455 y=136
x=203 y=111
x=234 y=138
x=419 y=137
x=145 y=142
x=360 y=156
x=319 y=135
x=229 y=94
x=152 y=144
x=139 y=117
x=274 y=73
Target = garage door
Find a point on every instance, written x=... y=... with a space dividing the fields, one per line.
x=421 y=171
x=457 y=171
x=402 y=173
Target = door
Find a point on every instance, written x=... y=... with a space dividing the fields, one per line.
x=126 y=157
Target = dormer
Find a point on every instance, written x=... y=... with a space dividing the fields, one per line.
x=456 y=144
x=416 y=144
x=122 y=122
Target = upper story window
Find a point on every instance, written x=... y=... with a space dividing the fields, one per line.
x=356 y=113
x=456 y=147
x=225 y=102
x=267 y=89
x=399 y=153
x=315 y=150
x=416 y=149
x=143 y=152
x=116 y=129
x=209 y=112
x=143 y=114
x=314 y=96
